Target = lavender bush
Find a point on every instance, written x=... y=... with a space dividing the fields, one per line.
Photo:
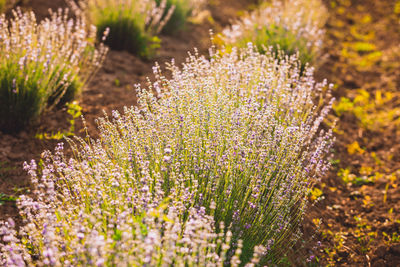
x=133 y=24
x=231 y=141
x=288 y=25
x=85 y=216
x=182 y=11
x=42 y=64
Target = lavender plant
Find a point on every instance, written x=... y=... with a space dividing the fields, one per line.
x=90 y=217
x=287 y=25
x=133 y=24
x=183 y=10
x=42 y=64
x=233 y=141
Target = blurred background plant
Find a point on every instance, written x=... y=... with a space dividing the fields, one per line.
x=290 y=26
x=43 y=64
x=183 y=10
x=133 y=25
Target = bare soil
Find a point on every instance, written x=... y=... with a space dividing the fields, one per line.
x=356 y=219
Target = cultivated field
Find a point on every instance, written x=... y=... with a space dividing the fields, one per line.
x=199 y=133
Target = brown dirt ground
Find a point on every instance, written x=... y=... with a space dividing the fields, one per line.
x=345 y=240
x=356 y=218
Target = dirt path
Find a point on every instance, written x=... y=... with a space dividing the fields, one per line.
x=361 y=210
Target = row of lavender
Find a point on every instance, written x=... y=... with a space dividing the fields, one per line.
x=211 y=168
x=46 y=64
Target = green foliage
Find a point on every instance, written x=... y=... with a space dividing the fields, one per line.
x=179 y=16
x=373 y=111
x=287 y=27
x=20 y=100
x=65 y=93
x=350 y=178
x=5 y=198
x=132 y=25
x=344 y=105
x=280 y=39
x=125 y=34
